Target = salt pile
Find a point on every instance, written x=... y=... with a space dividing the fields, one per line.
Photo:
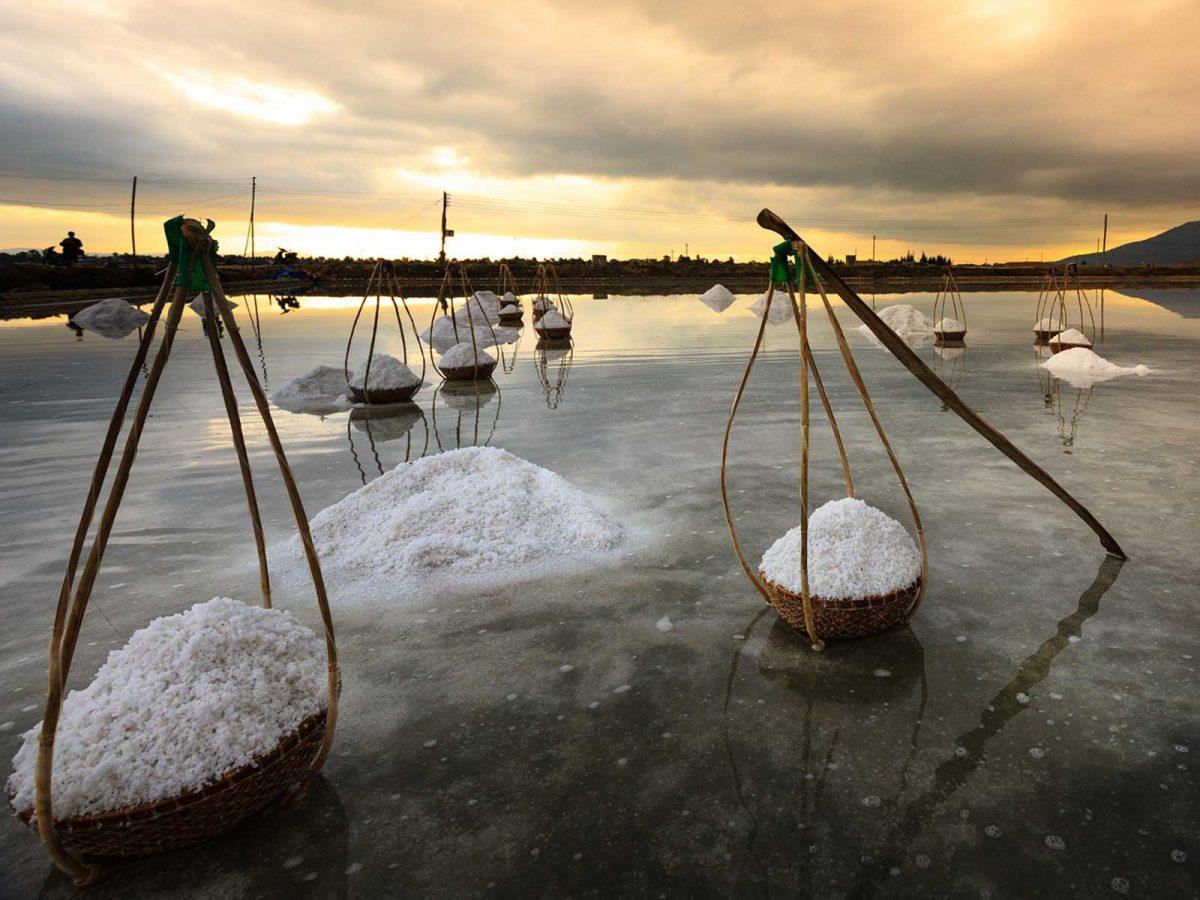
x=197 y=305
x=950 y=326
x=188 y=698
x=479 y=310
x=1047 y=325
x=718 y=298
x=510 y=299
x=321 y=391
x=781 y=306
x=1071 y=337
x=1081 y=367
x=477 y=517
x=907 y=321
x=854 y=550
x=446 y=332
x=464 y=356
x=113 y=318
x=387 y=374
x=552 y=320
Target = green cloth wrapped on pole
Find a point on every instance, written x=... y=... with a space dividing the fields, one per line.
x=190 y=275
x=781 y=271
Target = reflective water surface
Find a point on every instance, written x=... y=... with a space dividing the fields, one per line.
x=1032 y=734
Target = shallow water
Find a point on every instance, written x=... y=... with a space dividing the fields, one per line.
x=1032 y=733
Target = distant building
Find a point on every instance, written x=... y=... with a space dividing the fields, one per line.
x=599 y=259
x=851 y=258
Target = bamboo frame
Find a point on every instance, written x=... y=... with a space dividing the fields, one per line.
x=545 y=284
x=383 y=277
x=446 y=295
x=1052 y=300
x=807 y=367
x=949 y=291
x=75 y=595
x=925 y=375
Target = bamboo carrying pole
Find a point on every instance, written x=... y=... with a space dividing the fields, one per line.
x=75 y=596
x=926 y=376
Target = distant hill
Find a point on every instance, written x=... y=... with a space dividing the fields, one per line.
x=1178 y=245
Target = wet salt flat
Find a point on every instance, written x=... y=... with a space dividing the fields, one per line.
x=649 y=728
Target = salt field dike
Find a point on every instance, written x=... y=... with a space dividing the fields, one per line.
x=540 y=451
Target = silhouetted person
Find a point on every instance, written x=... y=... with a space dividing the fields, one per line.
x=50 y=257
x=72 y=248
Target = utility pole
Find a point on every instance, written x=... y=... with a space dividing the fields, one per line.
x=1104 y=246
x=446 y=232
x=132 y=233
x=872 y=248
x=250 y=228
x=685 y=250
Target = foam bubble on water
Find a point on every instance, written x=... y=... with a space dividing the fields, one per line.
x=566 y=667
x=354 y=868
x=993 y=831
x=622 y=689
x=872 y=801
x=1054 y=842
x=1037 y=752
x=1022 y=698
x=1120 y=885
x=883 y=673
x=664 y=624
x=1178 y=856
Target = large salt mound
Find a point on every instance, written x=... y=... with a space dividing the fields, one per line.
x=387 y=374
x=907 y=321
x=479 y=515
x=446 y=333
x=113 y=318
x=854 y=550
x=188 y=698
x=781 y=306
x=462 y=356
x=718 y=298
x=1082 y=367
x=322 y=390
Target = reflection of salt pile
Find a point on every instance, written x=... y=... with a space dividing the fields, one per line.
x=781 y=306
x=113 y=318
x=854 y=551
x=387 y=374
x=187 y=699
x=323 y=390
x=909 y=323
x=197 y=305
x=1081 y=367
x=718 y=298
x=479 y=515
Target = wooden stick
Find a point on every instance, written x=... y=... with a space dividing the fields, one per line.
x=925 y=375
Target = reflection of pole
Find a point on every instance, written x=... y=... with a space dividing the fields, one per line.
x=132 y=234
x=1104 y=246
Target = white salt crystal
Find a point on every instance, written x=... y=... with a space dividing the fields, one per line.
x=1071 y=336
x=197 y=305
x=321 y=390
x=1047 y=325
x=664 y=624
x=949 y=325
x=907 y=321
x=387 y=374
x=464 y=355
x=188 y=698
x=854 y=550
x=1082 y=367
x=553 y=319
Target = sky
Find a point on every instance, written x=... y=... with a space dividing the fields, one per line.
x=992 y=130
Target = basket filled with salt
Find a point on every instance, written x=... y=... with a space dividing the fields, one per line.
x=847 y=569
x=382 y=378
x=1055 y=315
x=949 y=324
x=202 y=718
x=549 y=300
x=467 y=359
x=510 y=302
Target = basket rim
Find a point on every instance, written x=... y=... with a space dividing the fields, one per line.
x=873 y=601
x=226 y=780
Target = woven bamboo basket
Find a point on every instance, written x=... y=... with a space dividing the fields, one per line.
x=820 y=618
x=949 y=295
x=383 y=279
x=194 y=816
x=1042 y=336
x=1057 y=346
x=846 y=618
x=75 y=843
x=551 y=334
x=950 y=338
x=512 y=312
x=549 y=295
x=477 y=372
x=1052 y=304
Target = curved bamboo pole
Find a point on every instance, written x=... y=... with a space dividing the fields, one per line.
x=925 y=375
